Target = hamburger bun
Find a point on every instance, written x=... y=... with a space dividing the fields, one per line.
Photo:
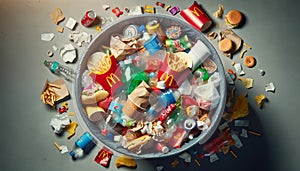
x=233 y=18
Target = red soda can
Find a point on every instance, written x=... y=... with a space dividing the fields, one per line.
x=88 y=18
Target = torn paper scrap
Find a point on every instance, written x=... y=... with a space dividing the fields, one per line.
x=213 y=158
x=71 y=129
x=248 y=82
x=68 y=53
x=228 y=78
x=241 y=123
x=270 y=87
x=239 y=69
x=244 y=133
x=238 y=142
x=59 y=122
x=159 y=168
x=186 y=156
x=80 y=37
x=64 y=149
x=71 y=23
x=259 y=99
x=261 y=72
x=57 y=16
x=47 y=36
x=136 y=11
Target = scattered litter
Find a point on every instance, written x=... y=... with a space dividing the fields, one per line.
x=57 y=146
x=242 y=53
x=71 y=23
x=247 y=46
x=127 y=9
x=238 y=142
x=229 y=79
x=236 y=41
x=54 y=91
x=260 y=99
x=59 y=122
x=50 y=53
x=159 y=168
x=54 y=47
x=125 y=161
x=71 y=114
x=174 y=10
x=149 y=9
x=105 y=7
x=71 y=129
x=239 y=69
x=250 y=61
x=211 y=35
x=136 y=11
x=197 y=162
x=261 y=72
x=270 y=87
x=223 y=126
x=213 y=158
x=98 y=28
x=65 y=105
x=103 y=157
x=233 y=153
x=254 y=133
x=248 y=82
x=80 y=37
x=186 y=156
x=241 y=123
x=47 y=37
x=68 y=53
x=117 y=11
x=57 y=16
x=60 y=29
x=175 y=162
x=219 y=12
x=160 y=4
x=232 y=74
x=240 y=107
x=244 y=133
x=62 y=110
x=232 y=63
x=168 y=7
x=64 y=149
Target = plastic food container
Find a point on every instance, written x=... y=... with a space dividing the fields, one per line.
x=118 y=28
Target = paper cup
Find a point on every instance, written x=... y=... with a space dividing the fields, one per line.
x=199 y=53
x=197 y=17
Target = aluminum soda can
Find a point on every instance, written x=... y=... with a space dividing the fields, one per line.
x=88 y=18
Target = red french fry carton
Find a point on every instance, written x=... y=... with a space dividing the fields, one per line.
x=197 y=17
x=169 y=73
x=111 y=78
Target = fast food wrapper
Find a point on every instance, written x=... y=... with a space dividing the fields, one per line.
x=121 y=47
x=105 y=71
x=174 y=69
x=137 y=102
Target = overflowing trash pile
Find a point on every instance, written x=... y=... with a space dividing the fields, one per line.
x=152 y=86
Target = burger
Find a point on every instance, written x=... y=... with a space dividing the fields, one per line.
x=233 y=18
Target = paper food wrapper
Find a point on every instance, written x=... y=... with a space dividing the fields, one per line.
x=60 y=92
x=108 y=75
x=122 y=47
x=174 y=70
x=138 y=101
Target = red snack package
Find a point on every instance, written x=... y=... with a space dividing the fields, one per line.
x=197 y=17
x=103 y=157
x=105 y=103
x=177 y=137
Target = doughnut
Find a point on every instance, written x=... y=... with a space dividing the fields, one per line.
x=249 y=61
x=225 y=45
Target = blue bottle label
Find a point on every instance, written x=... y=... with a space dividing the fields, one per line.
x=115 y=107
x=84 y=141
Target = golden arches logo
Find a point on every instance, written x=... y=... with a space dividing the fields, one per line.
x=196 y=11
x=111 y=79
x=165 y=76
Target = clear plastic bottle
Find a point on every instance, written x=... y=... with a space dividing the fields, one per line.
x=60 y=70
x=168 y=97
x=115 y=109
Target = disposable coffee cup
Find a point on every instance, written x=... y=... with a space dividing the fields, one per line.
x=199 y=52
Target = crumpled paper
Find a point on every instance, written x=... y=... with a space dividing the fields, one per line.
x=260 y=99
x=59 y=122
x=121 y=47
x=248 y=82
x=68 y=53
x=80 y=37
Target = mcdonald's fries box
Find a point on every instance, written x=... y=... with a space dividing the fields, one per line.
x=150 y=86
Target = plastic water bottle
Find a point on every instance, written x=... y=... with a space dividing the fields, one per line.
x=83 y=145
x=60 y=70
x=115 y=110
x=168 y=97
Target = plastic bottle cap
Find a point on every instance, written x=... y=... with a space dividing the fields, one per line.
x=54 y=66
